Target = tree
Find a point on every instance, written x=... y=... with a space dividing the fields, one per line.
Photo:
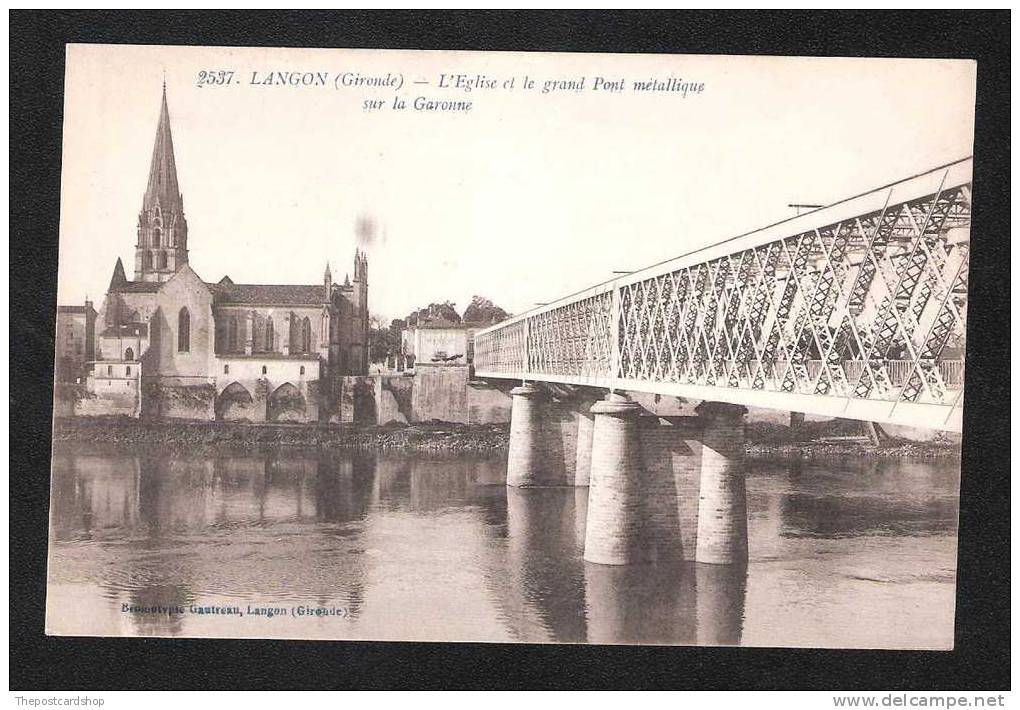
x=445 y=312
x=382 y=342
x=484 y=312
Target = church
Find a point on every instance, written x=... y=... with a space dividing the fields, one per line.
x=167 y=343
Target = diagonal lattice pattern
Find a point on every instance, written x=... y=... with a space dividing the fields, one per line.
x=869 y=306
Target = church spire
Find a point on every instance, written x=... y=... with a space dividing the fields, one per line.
x=163 y=189
x=162 y=246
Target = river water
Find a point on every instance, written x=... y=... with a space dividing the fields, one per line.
x=849 y=553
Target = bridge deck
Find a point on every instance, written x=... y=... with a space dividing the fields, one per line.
x=856 y=310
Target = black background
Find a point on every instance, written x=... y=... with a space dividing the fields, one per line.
x=981 y=657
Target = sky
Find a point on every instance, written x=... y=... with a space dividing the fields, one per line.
x=525 y=198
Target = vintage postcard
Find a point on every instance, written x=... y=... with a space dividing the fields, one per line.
x=510 y=347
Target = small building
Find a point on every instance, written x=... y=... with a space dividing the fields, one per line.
x=74 y=344
x=438 y=343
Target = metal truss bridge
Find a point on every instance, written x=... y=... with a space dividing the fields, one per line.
x=855 y=310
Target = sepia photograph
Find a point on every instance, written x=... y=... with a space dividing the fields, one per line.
x=506 y=347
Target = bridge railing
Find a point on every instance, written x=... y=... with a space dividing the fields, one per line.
x=852 y=309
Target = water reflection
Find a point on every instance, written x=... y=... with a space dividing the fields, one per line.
x=647 y=604
x=542 y=591
x=721 y=590
x=420 y=547
x=871 y=497
x=157 y=496
x=160 y=597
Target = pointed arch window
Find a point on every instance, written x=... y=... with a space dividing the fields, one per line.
x=258 y=336
x=129 y=355
x=146 y=260
x=269 y=334
x=162 y=260
x=306 y=335
x=232 y=333
x=184 y=331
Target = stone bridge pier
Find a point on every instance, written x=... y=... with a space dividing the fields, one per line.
x=550 y=437
x=661 y=489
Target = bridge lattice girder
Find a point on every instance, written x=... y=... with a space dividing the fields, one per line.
x=857 y=309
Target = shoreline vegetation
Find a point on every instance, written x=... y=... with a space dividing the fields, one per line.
x=837 y=438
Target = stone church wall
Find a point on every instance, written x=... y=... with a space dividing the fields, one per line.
x=184 y=290
x=251 y=324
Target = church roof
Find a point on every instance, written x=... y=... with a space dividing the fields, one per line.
x=162 y=187
x=119 y=278
x=276 y=294
x=226 y=291
x=136 y=287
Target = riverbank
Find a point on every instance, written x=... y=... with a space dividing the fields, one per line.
x=453 y=438
x=826 y=450
x=825 y=440
x=840 y=438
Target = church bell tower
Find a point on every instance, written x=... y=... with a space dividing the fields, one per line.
x=162 y=246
